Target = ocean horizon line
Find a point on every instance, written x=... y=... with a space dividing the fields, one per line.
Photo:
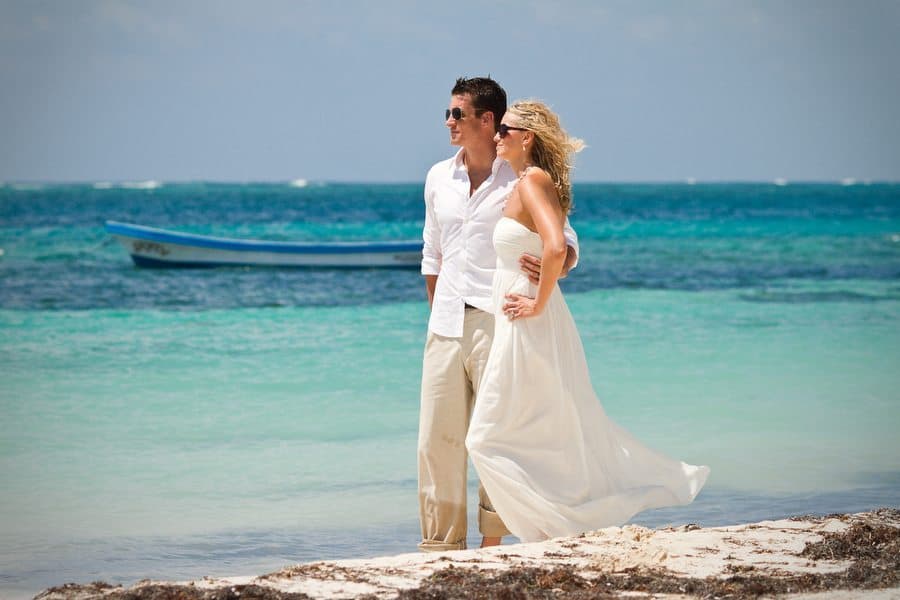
x=152 y=183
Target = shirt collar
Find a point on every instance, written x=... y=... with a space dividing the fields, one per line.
x=460 y=166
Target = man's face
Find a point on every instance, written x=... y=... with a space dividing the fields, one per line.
x=466 y=128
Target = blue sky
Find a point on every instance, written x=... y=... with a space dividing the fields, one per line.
x=272 y=90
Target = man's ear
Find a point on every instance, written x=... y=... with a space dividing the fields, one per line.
x=487 y=120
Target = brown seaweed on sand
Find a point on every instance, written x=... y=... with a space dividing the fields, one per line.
x=873 y=549
x=858 y=552
x=164 y=591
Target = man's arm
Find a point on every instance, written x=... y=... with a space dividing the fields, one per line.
x=431 y=250
x=430 y=285
x=571 y=260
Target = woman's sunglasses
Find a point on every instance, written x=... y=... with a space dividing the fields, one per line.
x=505 y=129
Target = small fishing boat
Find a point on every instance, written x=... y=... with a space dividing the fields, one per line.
x=161 y=248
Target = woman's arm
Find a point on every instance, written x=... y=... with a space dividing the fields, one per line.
x=531 y=265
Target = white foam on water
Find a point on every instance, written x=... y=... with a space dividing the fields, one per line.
x=780 y=181
x=848 y=181
x=299 y=183
x=150 y=184
x=690 y=180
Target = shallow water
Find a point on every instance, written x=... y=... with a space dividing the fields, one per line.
x=174 y=424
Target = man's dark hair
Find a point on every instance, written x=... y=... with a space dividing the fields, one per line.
x=487 y=95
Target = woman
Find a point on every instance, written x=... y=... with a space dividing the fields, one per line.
x=550 y=459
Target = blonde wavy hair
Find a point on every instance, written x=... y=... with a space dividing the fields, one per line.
x=553 y=148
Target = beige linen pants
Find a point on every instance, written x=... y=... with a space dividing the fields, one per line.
x=451 y=372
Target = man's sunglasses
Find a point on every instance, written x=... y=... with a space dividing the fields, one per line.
x=458 y=114
x=504 y=129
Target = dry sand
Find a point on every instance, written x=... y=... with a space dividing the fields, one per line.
x=839 y=556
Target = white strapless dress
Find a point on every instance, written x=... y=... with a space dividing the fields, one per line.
x=551 y=460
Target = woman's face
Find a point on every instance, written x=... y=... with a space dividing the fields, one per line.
x=510 y=138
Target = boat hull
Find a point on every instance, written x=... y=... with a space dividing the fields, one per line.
x=152 y=247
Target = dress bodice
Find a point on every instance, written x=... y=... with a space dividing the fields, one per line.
x=511 y=240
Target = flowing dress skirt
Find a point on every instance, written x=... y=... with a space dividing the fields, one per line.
x=551 y=460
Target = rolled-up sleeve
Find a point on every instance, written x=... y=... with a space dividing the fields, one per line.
x=571 y=240
x=431 y=234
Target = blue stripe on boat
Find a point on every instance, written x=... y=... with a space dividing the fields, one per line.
x=155 y=263
x=206 y=241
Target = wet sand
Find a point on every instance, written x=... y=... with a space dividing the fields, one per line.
x=837 y=556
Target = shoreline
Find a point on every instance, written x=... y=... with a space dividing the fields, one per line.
x=800 y=557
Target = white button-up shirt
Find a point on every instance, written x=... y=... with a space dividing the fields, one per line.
x=458 y=239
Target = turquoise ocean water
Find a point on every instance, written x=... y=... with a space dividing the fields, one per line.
x=175 y=424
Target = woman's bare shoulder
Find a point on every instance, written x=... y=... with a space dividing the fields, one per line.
x=536 y=180
x=537 y=176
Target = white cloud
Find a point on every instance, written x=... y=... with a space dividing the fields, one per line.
x=650 y=28
x=165 y=26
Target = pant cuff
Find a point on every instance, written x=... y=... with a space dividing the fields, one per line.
x=438 y=546
x=490 y=524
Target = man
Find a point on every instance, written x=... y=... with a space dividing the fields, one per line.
x=464 y=198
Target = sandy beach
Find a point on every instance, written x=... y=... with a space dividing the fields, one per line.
x=837 y=556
